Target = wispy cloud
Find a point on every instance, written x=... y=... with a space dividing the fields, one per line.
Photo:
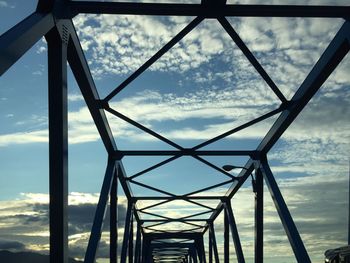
x=4 y=4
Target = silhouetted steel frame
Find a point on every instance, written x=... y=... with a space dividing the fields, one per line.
x=52 y=19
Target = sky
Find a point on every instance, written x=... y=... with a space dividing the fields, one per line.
x=201 y=88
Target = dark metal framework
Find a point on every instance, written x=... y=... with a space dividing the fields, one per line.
x=53 y=19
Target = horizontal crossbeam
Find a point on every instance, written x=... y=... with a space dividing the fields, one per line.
x=139 y=198
x=174 y=220
x=206 y=10
x=185 y=152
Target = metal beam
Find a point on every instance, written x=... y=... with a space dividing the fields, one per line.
x=213 y=238
x=210 y=248
x=329 y=60
x=193 y=252
x=151 y=188
x=234 y=232
x=20 y=38
x=113 y=224
x=155 y=57
x=226 y=239
x=207 y=10
x=172 y=235
x=58 y=146
x=173 y=220
x=128 y=220
x=258 y=189
x=289 y=226
x=184 y=152
x=213 y=166
x=179 y=197
x=241 y=127
x=145 y=249
x=164 y=246
x=211 y=187
x=131 y=240
x=96 y=230
x=199 y=244
x=142 y=127
x=82 y=74
x=138 y=245
x=243 y=175
x=251 y=58
x=151 y=168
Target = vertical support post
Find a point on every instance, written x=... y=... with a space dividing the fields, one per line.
x=194 y=254
x=289 y=226
x=138 y=244
x=131 y=239
x=100 y=213
x=259 y=216
x=143 y=252
x=215 y=247
x=349 y=208
x=226 y=239
x=198 y=250
x=201 y=250
x=145 y=249
x=113 y=224
x=234 y=232
x=210 y=248
x=58 y=146
x=126 y=232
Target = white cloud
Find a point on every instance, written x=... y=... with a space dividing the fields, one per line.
x=23 y=138
x=3 y=4
x=38 y=72
x=294 y=45
x=152 y=108
x=126 y=42
x=75 y=97
x=41 y=49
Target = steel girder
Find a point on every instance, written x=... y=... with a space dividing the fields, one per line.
x=53 y=20
x=58 y=136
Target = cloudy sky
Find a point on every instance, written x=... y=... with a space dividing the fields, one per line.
x=202 y=87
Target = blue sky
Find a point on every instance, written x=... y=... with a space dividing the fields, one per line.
x=203 y=87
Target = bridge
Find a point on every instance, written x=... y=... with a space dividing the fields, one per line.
x=185 y=243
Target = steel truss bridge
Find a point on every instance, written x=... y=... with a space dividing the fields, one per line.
x=53 y=19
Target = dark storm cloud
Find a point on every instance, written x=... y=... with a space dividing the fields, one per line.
x=80 y=216
x=29 y=221
x=11 y=245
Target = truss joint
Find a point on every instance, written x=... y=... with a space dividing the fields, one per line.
x=188 y=151
x=102 y=104
x=287 y=104
x=118 y=155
